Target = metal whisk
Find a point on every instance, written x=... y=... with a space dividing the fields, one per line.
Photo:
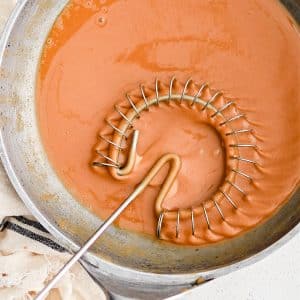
x=111 y=160
x=166 y=94
x=175 y=163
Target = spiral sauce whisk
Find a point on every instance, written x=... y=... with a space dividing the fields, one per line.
x=110 y=156
x=111 y=160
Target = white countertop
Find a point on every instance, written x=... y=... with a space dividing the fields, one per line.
x=276 y=277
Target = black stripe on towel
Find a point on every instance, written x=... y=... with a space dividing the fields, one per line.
x=41 y=239
x=32 y=223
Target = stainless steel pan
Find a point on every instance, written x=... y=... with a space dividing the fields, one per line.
x=125 y=263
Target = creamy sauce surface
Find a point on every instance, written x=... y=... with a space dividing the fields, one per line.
x=99 y=50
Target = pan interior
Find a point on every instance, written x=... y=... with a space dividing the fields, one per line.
x=36 y=181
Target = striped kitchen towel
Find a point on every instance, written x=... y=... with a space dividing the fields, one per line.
x=29 y=258
x=31 y=229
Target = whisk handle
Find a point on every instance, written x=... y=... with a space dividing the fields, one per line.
x=42 y=295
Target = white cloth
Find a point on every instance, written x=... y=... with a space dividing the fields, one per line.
x=26 y=265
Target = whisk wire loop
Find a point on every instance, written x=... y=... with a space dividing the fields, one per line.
x=135 y=111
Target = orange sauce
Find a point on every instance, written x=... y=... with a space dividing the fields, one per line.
x=99 y=50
